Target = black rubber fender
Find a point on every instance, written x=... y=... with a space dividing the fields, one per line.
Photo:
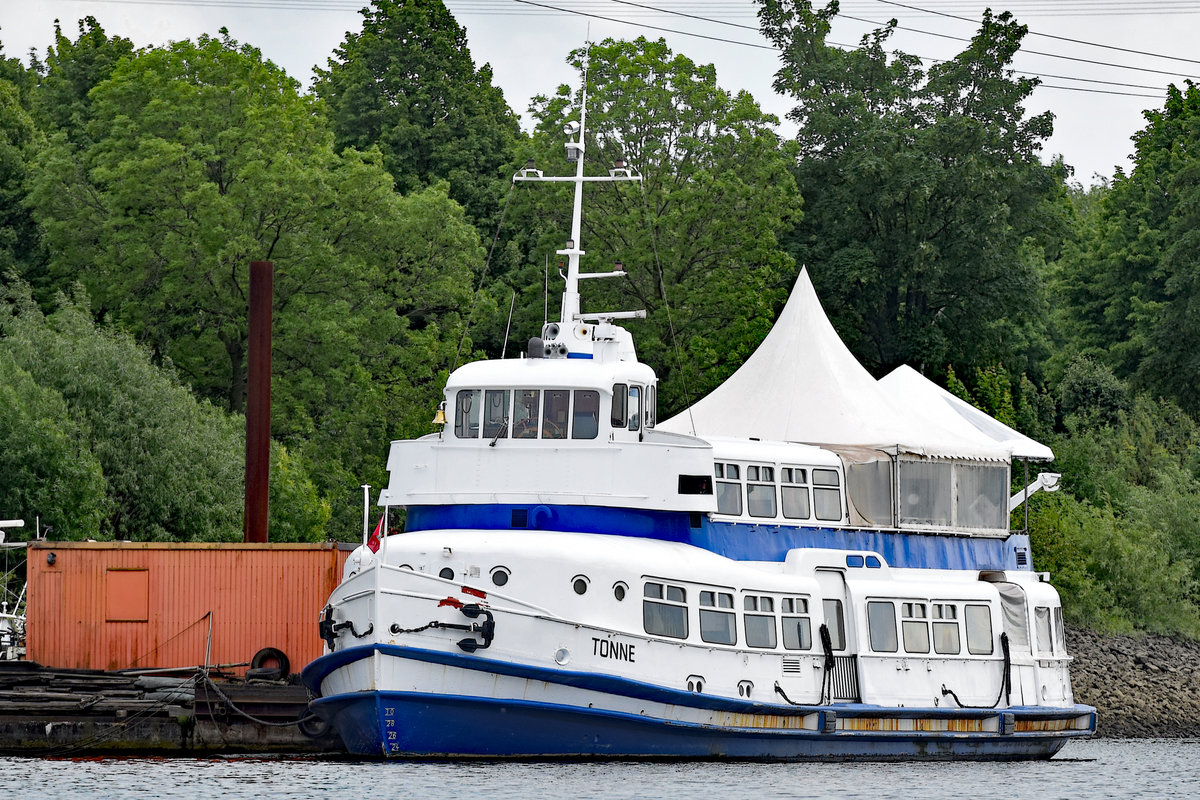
x=268 y=655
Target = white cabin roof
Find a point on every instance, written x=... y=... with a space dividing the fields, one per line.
x=802 y=384
x=550 y=372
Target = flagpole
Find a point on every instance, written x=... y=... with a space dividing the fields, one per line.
x=366 y=487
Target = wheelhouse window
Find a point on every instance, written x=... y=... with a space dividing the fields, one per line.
x=651 y=406
x=760 y=491
x=835 y=621
x=664 y=610
x=557 y=409
x=978 y=619
x=793 y=493
x=945 y=629
x=466 y=414
x=717 y=622
x=759 y=620
x=495 y=413
x=1041 y=620
x=797 y=624
x=635 y=407
x=585 y=422
x=525 y=414
x=620 y=397
x=881 y=622
x=915 y=627
x=827 y=494
x=729 y=489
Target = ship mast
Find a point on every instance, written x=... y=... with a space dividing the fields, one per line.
x=556 y=340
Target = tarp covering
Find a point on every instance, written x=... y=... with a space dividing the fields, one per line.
x=802 y=384
x=911 y=387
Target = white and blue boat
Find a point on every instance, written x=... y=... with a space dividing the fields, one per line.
x=806 y=564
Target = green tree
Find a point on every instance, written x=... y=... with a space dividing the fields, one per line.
x=927 y=208
x=1131 y=285
x=104 y=444
x=19 y=136
x=46 y=468
x=407 y=84
x=699 y=238
x=71 y=70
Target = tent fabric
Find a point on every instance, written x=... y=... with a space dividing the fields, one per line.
x=914 y=389
x=802 y=384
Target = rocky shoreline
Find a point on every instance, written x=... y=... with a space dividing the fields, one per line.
x=1141 y=686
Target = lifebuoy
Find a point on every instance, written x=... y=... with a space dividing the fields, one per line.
x=272 y=654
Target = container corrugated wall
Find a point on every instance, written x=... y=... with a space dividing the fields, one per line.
x=149 y=605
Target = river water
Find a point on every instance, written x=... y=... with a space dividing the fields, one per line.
x=1097 y=768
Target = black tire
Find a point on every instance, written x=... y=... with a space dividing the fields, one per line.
x=313 y=726
x=263 y=674
x=268 y=654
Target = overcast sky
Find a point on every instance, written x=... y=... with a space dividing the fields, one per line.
x=1095 y=56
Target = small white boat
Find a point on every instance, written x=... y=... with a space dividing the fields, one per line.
x=802 y=566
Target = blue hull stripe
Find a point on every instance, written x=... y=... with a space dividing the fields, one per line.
x=734 y=540
x=417 y=723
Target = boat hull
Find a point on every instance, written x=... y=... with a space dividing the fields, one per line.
x=536 y=713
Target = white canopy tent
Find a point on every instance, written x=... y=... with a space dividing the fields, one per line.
x=915 y=390
x=802 y=384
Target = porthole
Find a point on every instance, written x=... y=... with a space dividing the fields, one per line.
x=619 y=590
x=580 y=584
x=499 y=576
x=446 y=573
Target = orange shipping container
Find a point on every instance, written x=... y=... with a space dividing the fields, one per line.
x=151 y=605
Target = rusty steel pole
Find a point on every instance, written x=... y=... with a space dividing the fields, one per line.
x=258 y=401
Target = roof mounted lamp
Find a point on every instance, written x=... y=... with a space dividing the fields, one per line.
x=620 y=169
x=529 y=170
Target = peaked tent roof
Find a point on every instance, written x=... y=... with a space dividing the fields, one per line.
x=916 y=390
x=802 y=384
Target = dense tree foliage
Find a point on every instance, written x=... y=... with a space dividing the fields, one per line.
x=105 y=444
x=406 y=84
x=927 y=209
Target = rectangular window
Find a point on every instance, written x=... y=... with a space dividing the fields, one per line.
x=557 y=411
x=1041 y=619
x=760 y=499
x=585 y=422
x=635 y=407
x=732 y=472
x=664 y=613
x=828 y=503
x=797 y=627
x=881 y=621
x=620 y=393
x=795 y=501
x=915 y=627
x=925 y=492
x=945 y=629
x=825 y=477
x=979 y=629
x=1060 y=642
x=760 y=628
x=836 y=622
x=525 y=414
x=466 y=414
x=729 y=498
x=651 y=406
x=717 y=627
x=981 y=496
x=495 y=413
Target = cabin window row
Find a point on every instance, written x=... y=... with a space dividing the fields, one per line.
x=766 y=621
x=549 y=413
x=526 y=413
x=801 y=493
x=925 y=625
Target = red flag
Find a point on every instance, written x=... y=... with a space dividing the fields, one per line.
x=373 y=542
